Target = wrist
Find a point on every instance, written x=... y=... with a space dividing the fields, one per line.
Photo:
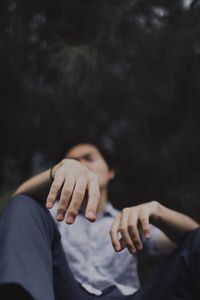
x=156 y=212
x=53 y=170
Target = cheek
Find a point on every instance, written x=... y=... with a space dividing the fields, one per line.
x=102 y=181
x=99 y=169
x=103 y=177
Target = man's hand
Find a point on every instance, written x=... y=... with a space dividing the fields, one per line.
x=130 y=223
x=72 y=181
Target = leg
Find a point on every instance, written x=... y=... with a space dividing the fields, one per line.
x=31 y=256
x=179 y=277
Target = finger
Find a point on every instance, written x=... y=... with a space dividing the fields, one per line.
x=93 y=199
x=54 y=191
x=122 y=244
x=114 y=233
x=77 y=200
x=123 y=229
x=134 y=232
x=144 y=221
x=65 y=197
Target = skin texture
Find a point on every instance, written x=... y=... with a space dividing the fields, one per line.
x=82 y=179
x=70 y=187
x=89 y=177
x=132 y=221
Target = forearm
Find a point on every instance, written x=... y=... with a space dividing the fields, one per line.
x=37 y=186
x=174 y=224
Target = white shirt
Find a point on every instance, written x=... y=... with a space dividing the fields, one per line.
x=89 y=252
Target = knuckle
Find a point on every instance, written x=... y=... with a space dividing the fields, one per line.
x=122 y=229
x=55 y=186
x=134 y=236
x=62 y=205
x=136 y=240
x=69 y=184
x=75 y=206
x=66 y=192
x=79 y=194
x=112 y=231
x=92 y=208
x=124 y=210
x=73 y=212
x=129 y=245
x=131 y=227
x=146 y=229
x=61 y=210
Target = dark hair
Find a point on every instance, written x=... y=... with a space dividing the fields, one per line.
x=104 y=146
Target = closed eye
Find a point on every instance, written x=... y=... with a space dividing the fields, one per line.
x=88 y=157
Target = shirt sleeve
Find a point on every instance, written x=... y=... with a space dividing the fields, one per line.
x=150 y=244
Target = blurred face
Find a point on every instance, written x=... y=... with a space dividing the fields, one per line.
x=91 y=157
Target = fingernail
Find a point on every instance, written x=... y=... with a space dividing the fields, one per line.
x=90 y=215
x=117 y=248
x=49 y=205
x=60 y=217
x=70 y=219
x=147 y=235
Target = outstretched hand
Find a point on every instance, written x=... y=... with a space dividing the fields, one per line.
x=72 y=182
x=131 y=222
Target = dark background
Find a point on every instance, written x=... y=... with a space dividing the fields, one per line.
x=124 y=72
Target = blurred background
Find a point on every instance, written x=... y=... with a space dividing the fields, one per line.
x=124 y=72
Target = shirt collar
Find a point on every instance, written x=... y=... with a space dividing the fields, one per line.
x=109 y=210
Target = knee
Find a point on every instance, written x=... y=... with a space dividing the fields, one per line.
x=25 y=212
x=22 y=205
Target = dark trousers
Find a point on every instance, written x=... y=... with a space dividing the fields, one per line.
x=34 y=266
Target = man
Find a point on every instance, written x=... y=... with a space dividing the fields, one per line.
x=89 y=250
